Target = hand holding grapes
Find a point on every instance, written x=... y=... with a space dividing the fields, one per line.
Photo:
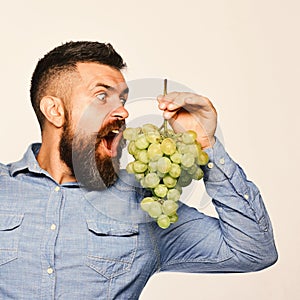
x=188 y=111
x=167 y=160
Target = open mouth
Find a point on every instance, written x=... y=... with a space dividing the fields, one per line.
x=111 y=142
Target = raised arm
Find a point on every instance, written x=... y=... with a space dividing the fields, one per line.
x=241 y=239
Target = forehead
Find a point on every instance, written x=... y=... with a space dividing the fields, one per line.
x=92 y=74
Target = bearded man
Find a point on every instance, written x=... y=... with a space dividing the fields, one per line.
x=57 y=239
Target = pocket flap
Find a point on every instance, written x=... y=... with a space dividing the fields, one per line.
x=10 y=221
x=113 y=229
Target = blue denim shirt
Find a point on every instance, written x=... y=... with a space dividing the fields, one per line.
x=63 y=242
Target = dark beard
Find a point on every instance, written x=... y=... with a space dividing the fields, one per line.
x=93 y=170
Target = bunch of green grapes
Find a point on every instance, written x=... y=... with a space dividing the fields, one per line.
x=164 y=162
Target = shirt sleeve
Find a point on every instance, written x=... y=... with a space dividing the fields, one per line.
x=239 y=240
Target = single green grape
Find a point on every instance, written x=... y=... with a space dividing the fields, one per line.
x=155 y=209
x=160 y=190
x=191 y=170
x=198 y=174
x=173 y=194
x=131 y=134
x=202 y=159
x=176 y=157
x=154 y=152
x=143 y=156
x=185 y=179
x=189 y=137
x=153 y=137
x=193 y=149
x=129 y=168
x=169 y=181
x=164 y=165
x=152 y=166
x=163 y=221
x=151 y=180
x=146 y=128
x=168 y=146
x=139 y=167
x=169 y=207
x=199 y=148
x=132 y=149
x=173 y=218
x=187 y=160
x=146 y=202
x=182 y=148
x=175 y=170
x=141 y=142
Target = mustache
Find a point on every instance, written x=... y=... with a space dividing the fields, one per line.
x=113 y=125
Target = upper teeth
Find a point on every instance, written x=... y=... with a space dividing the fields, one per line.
x=115 y=131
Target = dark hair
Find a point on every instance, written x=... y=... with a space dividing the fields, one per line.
x=62 y=60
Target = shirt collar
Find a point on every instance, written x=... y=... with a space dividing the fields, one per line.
x=28 y=162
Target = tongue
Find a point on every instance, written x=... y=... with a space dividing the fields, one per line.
x=109 y=143
x=109 y=140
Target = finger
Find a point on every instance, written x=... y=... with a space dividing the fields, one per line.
x=171 y=106
x=172 y=101
x=201 y=101
x=170 y=114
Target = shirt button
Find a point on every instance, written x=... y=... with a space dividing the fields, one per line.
x=210 y=165
x=57 y=188
x=50 y=271
x=53 y=227
x=246 y=196
x=222 y=161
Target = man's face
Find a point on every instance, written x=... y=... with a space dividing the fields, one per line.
x=91 y=141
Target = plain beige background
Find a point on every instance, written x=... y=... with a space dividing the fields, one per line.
x=242 y=54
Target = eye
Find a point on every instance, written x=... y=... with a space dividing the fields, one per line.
x=101 y=97
x=123 y=101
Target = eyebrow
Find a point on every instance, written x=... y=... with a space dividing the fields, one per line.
x=111 y=88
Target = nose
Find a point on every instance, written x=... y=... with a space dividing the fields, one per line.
x=120 y=113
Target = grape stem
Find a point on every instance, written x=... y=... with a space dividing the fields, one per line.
x=165 y=123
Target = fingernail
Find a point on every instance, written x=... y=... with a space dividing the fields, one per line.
x=162 y=106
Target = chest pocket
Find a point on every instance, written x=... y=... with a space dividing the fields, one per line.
x=9 y=236
x=111 y=247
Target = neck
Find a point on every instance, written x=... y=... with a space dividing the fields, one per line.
x=49 y=159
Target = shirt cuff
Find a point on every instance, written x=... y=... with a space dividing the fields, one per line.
x=221 y=167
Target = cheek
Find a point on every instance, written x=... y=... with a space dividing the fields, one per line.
x=90 y=119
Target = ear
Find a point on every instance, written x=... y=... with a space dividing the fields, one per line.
x=53 y=110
